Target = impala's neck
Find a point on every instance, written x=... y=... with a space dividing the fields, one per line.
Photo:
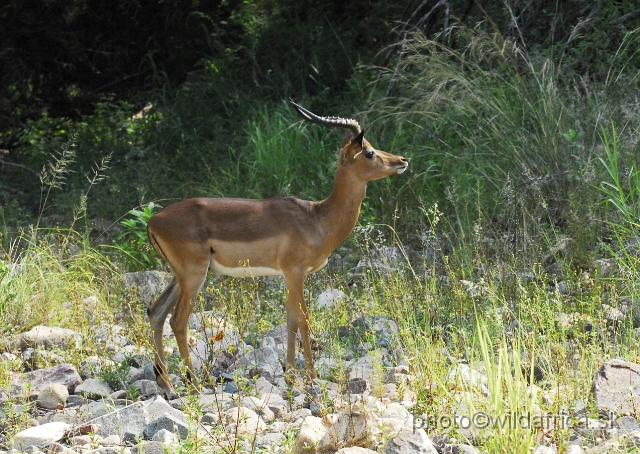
x=338 y=213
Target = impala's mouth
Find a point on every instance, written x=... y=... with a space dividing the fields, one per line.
x=402 y=169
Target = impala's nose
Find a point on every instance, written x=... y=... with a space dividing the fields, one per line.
x=404 y=165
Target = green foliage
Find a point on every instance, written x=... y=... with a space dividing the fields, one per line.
x=115 y=375
x=624 y=194
x=133 y=242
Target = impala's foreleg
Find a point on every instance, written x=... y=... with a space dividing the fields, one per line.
x=297 y=319
x=157 y=313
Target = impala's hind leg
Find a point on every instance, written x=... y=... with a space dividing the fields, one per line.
x=157 y=313
x=190 y=283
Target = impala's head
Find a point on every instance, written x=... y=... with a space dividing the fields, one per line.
x=366 y=162
x=357 y=155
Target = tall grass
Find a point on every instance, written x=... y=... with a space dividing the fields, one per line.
x=48 y=280
x=505 y=140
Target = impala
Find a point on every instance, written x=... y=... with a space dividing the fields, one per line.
x=271 y=237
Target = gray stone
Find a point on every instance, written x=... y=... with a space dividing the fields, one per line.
x=165 y=437
x=545 y=450
x=53 y=397
x=263 y=386
x=616 y=387
x=108 y=334
x=148 y=447
x=57 y=448
x=64 y=374
x=627 y=424
x=210 y=419
x=385 y=330
x=263 y=360
x=94 y=388
x=276 y=404
x=215 y=403
x=243 y=421
x=148 y=283
x=613 y=314
x=311 y=432
x=270 y=440
x=132 y=419
x=40 y=435
x=169 y=422
x=469 y=377
x=149 y=372
x=97 y=408
x=147 y=388
x=460 y=449
x=111 y=440
x=80 y=440
x=605 y=267
x=231 y=387
x=330 y=298
x=362 y=369
x=76 y=401
x=358 y=427
x=357 y=386
x=410 y=442
x=92 y=365
x=38 y=357
x=48 y=337
x=158 y=407
x=259 y=406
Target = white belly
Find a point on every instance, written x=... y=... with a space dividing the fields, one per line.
x=243 y=271
x=312 y=270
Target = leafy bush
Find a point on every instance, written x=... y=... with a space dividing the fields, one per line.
x=133 y=242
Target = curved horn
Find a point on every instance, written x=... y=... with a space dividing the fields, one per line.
x=350 y=126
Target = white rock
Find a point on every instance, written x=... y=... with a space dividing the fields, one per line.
x=357 y=427
x=93 y=388
x=311 y=432
x=53 y=397
x=330 y=298
x=164 y=436
x=410 y=441
x=276 y=404
x=157 y=406
x=469 y=377
x=40 y=435
x=263 y=386
x=259 y=406
x=245 y=420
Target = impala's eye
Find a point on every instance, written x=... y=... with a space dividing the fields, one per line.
x=369 y=154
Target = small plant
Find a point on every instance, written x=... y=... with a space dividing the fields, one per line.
x=133 y=243
x=133 y=392
x=115 y=375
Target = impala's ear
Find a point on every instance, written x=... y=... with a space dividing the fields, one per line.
x=359 y=140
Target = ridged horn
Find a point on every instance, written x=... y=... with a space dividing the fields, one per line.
x=349 y=125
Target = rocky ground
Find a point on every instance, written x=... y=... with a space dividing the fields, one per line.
x=112 y=404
